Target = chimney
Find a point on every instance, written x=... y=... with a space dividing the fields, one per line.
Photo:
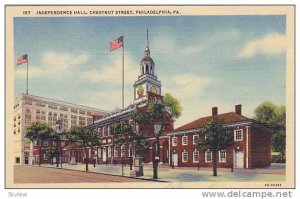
x=214 y=111
x=238 y=109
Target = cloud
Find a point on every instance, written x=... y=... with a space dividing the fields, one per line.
x=52 y=63
x=113 y=72
x=272 y=43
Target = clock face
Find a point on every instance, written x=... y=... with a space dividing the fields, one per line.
x=140 y=91
x=153 y=89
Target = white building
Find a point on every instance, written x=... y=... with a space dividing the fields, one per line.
x=30 y=108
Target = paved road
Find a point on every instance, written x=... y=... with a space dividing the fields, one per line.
x=35 y=174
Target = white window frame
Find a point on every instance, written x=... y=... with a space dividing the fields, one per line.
x=185 y=137
x=235 y=134
x=123 y=150
x=173 y=141
x=187 y=156
x=194 y=138
x=206 y=154
x=103 y=131
x=109 y=152
x=109 y=131
x=194 y=152
x=54 y=143
x=62 y=143
x=99 y=131
x=116 y=151
x=222 y=159
x=45 y=143
x=45 y=157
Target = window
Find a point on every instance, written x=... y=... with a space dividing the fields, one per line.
x=103 y=132
x=109 y=152
x=238 y=135
x=17 y=160
x=45 y=156
x=195 y=139
x=99 y=131
x=116 y=151
x=123 y=150
x=45 y=143
x=196 y=156
x=208 y=156
x=54 y=143
x=62 y=144
x=174 y=141
x=184 y=156
x=108 y=131
x=222 y=156
x=184 y=140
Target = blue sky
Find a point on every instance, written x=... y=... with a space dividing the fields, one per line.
x=204 y=61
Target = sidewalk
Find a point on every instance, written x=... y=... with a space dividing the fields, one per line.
x=166 y=173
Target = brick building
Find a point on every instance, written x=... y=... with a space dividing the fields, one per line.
x=251 y=146
x=146 y=88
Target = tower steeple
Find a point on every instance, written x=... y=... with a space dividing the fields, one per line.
x=147 y=81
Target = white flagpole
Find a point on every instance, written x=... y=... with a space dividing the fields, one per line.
x=123 y=76
x=27 y=75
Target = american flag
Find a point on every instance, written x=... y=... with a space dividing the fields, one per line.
x=22 y=59
x=116 y=44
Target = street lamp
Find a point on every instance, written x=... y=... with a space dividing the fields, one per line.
x=157 y=129
x=123 y=153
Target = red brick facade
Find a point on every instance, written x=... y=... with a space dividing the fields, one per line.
x=252 y=147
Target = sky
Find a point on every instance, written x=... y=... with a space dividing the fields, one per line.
x=203 y=61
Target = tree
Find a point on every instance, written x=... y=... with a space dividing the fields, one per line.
x=85 y=138
x=275 y=117
x=160 y=113
x=39 y=132
x=217 y=138
x=52 y=152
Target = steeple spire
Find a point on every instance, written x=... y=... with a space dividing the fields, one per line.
x=147 y=50
x=147 y=39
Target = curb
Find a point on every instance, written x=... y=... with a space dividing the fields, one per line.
x=150 y=179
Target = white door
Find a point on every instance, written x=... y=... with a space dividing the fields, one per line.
x=239 y=159
x=104 y=154
x=175 y=159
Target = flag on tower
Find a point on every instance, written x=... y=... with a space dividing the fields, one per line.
x=22 y=59
x=116 y=44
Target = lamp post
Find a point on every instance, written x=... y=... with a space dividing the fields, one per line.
x=123 y=153
x=157 y=129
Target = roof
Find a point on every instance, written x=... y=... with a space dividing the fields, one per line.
x=59 y=102
x=147 y=58
x=226 y=118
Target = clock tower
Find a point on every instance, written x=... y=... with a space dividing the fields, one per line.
x=147 y=80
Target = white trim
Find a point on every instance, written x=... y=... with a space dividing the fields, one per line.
x=206 y=156
x=220 y=156
x=196 y=135
x=173 y=143
x=242 y=137
x=183 y=138
x=169 y=150
x=187 y=156
x=160 y=137
x=247 y=147
x=194 y=156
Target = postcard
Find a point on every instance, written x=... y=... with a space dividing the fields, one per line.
x=150 y=96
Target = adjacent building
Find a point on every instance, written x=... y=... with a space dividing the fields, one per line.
x=251 y=142
x=31 y=108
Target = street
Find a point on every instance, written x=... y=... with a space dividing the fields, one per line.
x=35 y=174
